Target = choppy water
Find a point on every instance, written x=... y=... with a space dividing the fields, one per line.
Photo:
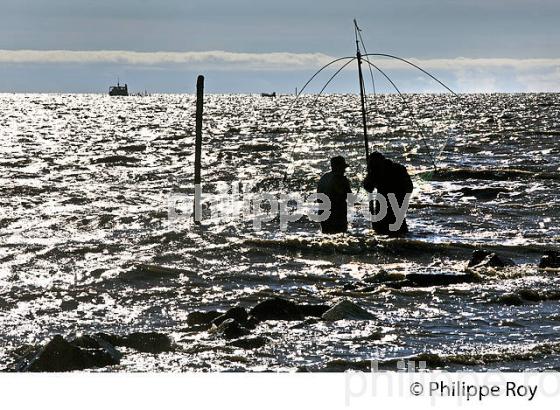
x=77 y=223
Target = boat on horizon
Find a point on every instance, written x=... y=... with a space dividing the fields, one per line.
x=119 y=90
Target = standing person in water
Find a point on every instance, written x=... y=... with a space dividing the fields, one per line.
x=336 y=187
x=388 y=177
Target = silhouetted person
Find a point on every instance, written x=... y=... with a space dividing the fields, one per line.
x=387 y=177
x=336 y=186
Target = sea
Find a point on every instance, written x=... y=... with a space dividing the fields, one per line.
x=96 y=233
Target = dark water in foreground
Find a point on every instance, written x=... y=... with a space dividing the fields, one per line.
x=77 y=223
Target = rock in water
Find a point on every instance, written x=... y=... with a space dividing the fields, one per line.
x=115 y=160
x=550 y=260
x=202 y=318
x=147 y=342
x=231 y=329
x=313 y=310
x=96 y=341
x=382 y=277
x=238 y=313
x=150 y=342
x=276 y=309
x=346 y=310
x=282 y=309
x=250 y=342
x=481 y=258
x=483 y=194
x=59 y=355
x=434 y=279
x=149 y=272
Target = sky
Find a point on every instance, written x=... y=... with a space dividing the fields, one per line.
x=244 y=46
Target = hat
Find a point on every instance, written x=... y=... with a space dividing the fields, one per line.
x=376 y=156
x=338 y=162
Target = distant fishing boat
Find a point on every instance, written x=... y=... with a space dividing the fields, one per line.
x=141 y=94
x=270 y=95
x=118 y=90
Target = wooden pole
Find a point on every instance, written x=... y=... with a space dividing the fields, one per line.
x=362 y=91
x=198 y=149
x=363 y=101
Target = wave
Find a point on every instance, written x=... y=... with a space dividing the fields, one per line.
x=318 y=244
x=434 y=361
x=523 y=296
x=356 y=244
x=116 y=160
x=491 y=174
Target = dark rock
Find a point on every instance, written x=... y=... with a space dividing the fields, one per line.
x=150 y=272
x=550 y=259
x=251 y=323
x=346 y=310
x=483 y=194
x=531 y=295
x=250 y=342
x=523 y=296
x=231 y=329
x=115 y=160
x=423 y=280
x=481 y=258
x=428 y=279
x=477 y=257
x=342 y=365
x=86 y=342
x=383 y=276
x=510 y=299
x=150 y=342
x=399 y=284
x=202 y=318
x=134 y=148
x=97 y=342
x=66 y=305
x=147 y=342
x=276 y=309
x=59 y=355
x=114 y=340
x=281 y=309
x=238 y=313
x=313 y=310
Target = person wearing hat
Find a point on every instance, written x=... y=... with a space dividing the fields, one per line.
x=387 y=177
x=336 y=186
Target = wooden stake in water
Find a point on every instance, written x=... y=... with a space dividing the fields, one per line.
x=197 y=211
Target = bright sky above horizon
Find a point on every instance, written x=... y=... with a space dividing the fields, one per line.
x=254 y=46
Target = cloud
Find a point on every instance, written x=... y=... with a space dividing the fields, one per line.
x=462 y=74
x=273 y=61
x=460 y=63
x=541 y=82
x=206 y=59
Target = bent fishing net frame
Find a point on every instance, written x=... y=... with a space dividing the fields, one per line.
x=367 y=57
